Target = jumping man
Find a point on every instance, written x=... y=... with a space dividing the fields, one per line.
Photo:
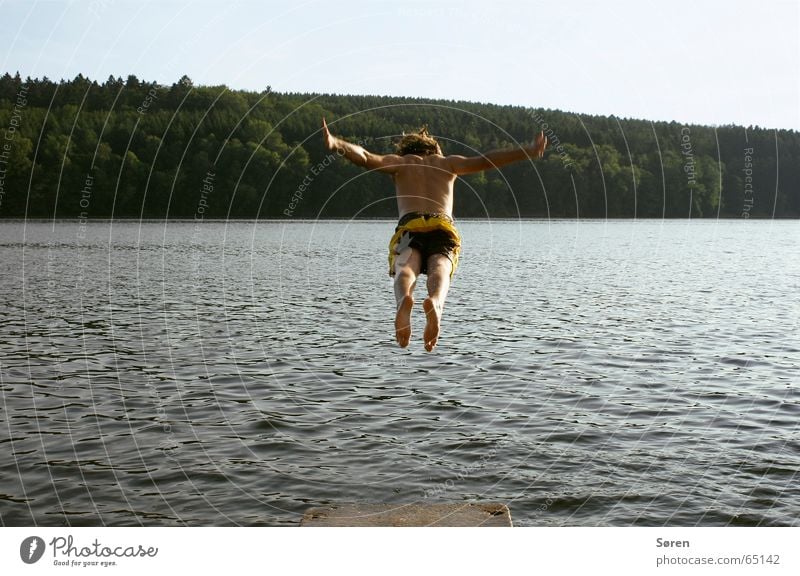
x=426 y=240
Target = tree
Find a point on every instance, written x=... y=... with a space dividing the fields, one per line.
x=262 y=146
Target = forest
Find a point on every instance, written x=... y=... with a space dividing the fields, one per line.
x=128 y=148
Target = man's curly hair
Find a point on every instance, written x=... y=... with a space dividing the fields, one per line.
x=420 y=143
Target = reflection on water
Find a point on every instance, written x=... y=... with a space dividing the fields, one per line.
x=589 y=373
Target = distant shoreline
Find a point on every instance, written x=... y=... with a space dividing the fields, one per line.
x=134 y=148
x=388 y=219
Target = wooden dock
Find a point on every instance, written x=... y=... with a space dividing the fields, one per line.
x=488 y=514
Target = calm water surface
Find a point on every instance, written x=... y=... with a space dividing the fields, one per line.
x=589 y=373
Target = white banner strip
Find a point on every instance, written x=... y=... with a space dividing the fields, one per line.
x=389 y=551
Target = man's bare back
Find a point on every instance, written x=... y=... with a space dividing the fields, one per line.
x=428 y=243
x=424 y=184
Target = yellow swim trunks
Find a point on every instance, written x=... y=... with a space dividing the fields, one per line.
x=430 y=234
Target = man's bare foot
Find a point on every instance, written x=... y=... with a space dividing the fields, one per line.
x=433 y=315
x=402 y=321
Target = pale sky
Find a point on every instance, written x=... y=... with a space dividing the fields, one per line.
x=692 y=61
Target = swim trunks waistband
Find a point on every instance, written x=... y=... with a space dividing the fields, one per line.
x=409 y=216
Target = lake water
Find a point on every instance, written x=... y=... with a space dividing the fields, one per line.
x=588 y=373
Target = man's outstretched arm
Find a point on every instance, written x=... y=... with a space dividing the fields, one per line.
x=357 y=154
x=498 y=158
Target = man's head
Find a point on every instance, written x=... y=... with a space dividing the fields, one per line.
x=420 y=143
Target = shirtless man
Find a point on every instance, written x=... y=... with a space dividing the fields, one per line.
x=425 y=240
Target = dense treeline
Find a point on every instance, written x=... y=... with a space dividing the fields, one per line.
x=131 y=149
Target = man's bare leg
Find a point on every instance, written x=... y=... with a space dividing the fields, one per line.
x=439 y=267
x=406 y=269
